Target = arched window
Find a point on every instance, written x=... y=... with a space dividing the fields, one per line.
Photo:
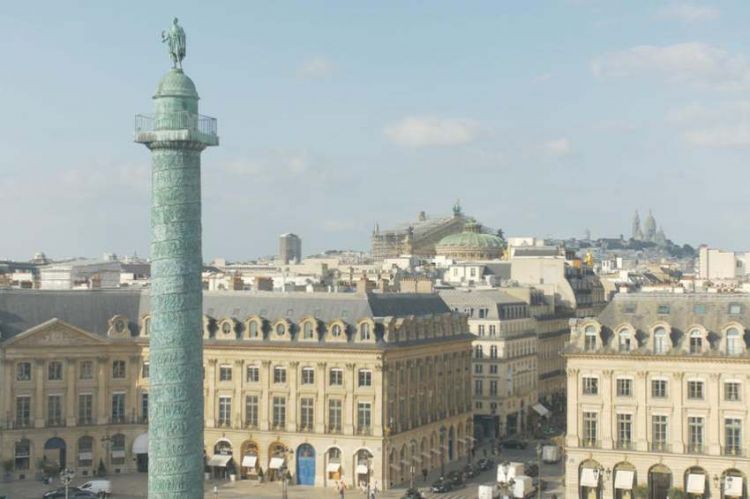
x=696 y=341
x=478 y=353
x=307 y=330
x=364 y=331
x=280 y=329
x=734 y=345
x=85 y=451
x=226 y=327
x=253 y=329
x=590 y=339
x=626 y=341
x=660 y=340
x=336 y=330
x=147 y=326
x=118 y=449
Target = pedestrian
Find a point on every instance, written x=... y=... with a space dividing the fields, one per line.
x=342 y=488
x=424 y=474
x=374 y=490
x=484 y=451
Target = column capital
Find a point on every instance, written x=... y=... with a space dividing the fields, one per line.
x=212 y=362
x=294 y=364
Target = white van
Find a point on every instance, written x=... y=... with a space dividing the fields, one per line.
x=102 y=488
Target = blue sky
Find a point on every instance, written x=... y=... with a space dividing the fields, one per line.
x=545 y=118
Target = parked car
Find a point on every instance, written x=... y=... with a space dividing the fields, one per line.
x=442 y=485
x=73 y=493
x=469 y=471
x=513 y=443
x=456 y=478
x=102 y=488
x=531 y=469
x=486 y=463
x=412 y=494
x=540 y=483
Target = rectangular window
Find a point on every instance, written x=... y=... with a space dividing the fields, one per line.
x=118 y=369
x=85 y=409
x=279 y=413
x=54 y=371
x=225 y=373
x=735 y=308
x=659 y=433
x=732 y=391
x=624 y=430
x=695 y=390
x=699 y=308
x=87 y=369
x=364 y=414
x=23 y=371
x=54 y=410
x=146 y=370
x=695 y=435
x=251 y=411
x=590 y=386
x=225 y=411
x=252 y=374
x=478 y=368
x=481 y=330
x=478 y=387
x=279 y=374
x=662 y=309
x=306 y=413
x=624 y=387
x=308 y=376
x=118 y=408
x=493 y=387
x=732 y=434
x=493 y=369
x=336 y=377
x=334 y=415
x=590 y=430
x=23 y=411
x=659 y=388
x=493 y=330
x=144 y=407
x=365 y=377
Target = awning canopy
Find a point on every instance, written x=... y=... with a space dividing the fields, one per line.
x=733 y=486
x=436 y=452
x=624 y=479
x=362 y=469
x=276 y=463
x=140 y=444
x=395 y=467
x=118 y=453
x=249 y=461
x=333 y=467
x=696 y=483
x=85 y=456
x=589 y=477
x=540 y=409
x=219 y=460
x=426 y=455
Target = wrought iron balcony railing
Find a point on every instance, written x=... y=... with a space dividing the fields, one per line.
x=696 y=448
x=178 y=120
x=660 y=447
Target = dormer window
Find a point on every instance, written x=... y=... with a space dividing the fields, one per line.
x=119 y=325
x=364 y=331
x=253 y=329
x=336 y=330
x=307 y=331
x=696 y=341
x=626 y=341
x=590 y=339
x=734 y=339
x=280 y=329
x=735 y=309
x=660 y=340
x=226 y=328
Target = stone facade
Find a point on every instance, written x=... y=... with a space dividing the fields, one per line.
x=657 y=397
x=330 y=384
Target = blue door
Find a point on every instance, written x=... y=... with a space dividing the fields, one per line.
x=306 y=464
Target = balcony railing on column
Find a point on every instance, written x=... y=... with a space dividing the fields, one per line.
x=178 y=120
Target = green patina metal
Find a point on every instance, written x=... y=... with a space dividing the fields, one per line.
x=176 y=134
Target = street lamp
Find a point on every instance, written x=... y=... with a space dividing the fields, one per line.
x=66 y=476
x=539 y=468
x=284 y=473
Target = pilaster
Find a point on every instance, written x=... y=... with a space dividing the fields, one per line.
x=39 y=377
x=102 y=415
x=70 y=391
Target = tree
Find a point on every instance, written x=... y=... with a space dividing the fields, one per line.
x=677 y=493
x=641 y=491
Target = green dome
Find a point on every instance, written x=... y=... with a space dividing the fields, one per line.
x=176 y=84
x=471 y=238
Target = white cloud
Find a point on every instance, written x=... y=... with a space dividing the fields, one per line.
x=316 y=67
x=693 y=62
x=427 y=131
x=689 y=13
x=557 y=147
x=726 y=124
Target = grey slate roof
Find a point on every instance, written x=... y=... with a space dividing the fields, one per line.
x=490 y=299
x=91 y=310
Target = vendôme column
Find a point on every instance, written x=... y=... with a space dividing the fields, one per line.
x=176 y=135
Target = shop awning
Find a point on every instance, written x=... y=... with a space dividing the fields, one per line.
x=395 y=467
x=118 y=453
x=276 y=463
x=85 y=456
x=540 y=409
x=249 y=461
x=696 y=483
x=405 y=463
x=140 y=444
x=361 y=469
x=219 y=460
x=333 y=467
x=624 y=479
x=589 y=477
x=436 y=452
x=733 y=486
x=426 y=455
